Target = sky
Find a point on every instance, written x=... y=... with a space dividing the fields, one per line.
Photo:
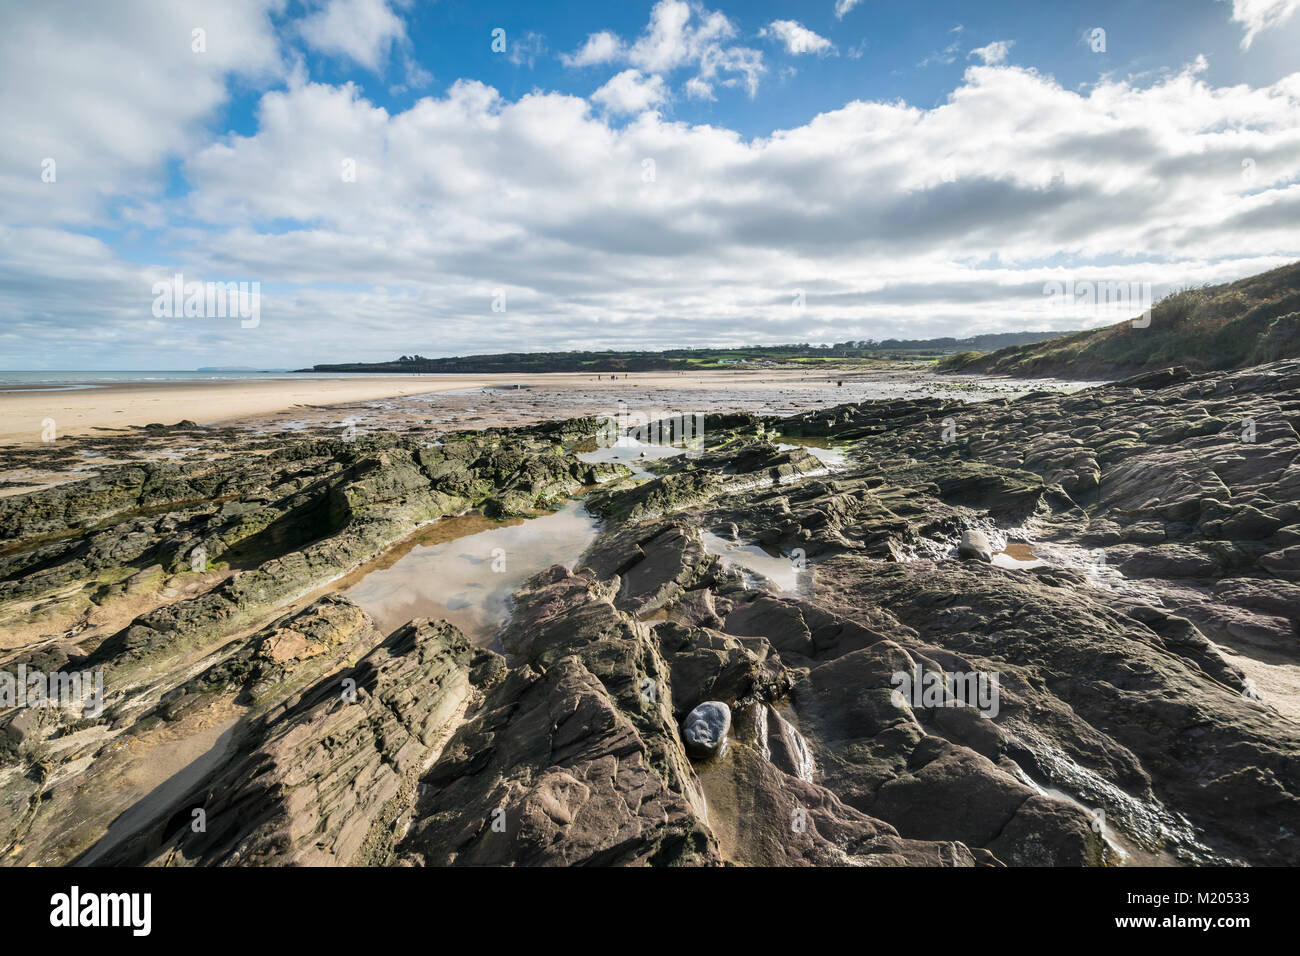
x=395 y=177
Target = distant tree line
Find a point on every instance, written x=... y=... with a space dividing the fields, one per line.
x=614 y=360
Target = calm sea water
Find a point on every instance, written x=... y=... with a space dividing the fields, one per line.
x=20 y=381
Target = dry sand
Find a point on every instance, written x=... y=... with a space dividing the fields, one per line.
x=118 y=407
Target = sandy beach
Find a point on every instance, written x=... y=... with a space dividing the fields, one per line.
x=119 y=408
x=306 y=528
x=86 y=411
x=94 y=428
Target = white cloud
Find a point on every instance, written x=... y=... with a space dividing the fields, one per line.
x=679 y=36
x=996 y=52
x=670 y=39
x=109 y=129
x=602 y=47
x=945 y=56
x=698 y=89
x=844 y=6
x=959 y=206
x=631 y=92
x=733 y=67
x=525 y=52
x=415 y=77
x=1255 y=16
x=360 y=30
x=895 y=219
x=797 y=38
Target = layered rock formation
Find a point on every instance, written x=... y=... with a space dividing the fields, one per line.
x=1088 y=696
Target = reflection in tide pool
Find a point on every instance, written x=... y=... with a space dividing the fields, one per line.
x=786 y=573
x=634 y=454
x=630 y=452
x=1018 y=556
x=834 y=457
x=469 y=579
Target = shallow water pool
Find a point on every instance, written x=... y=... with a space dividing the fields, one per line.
x=466 y=569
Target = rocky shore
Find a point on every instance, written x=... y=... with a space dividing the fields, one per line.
x=1059 y=629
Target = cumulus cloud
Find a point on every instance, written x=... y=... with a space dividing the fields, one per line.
x=968 y=200
x=796 y=38
x=995 y=52
x=631 y=92
x=105 y=132
x=844 y=6
x=894 y=219
x=1255 y=16
x=359 y=30
x=602 y=47
x=679 y=37
x=675 y=36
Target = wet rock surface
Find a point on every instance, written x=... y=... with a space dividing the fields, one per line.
x=328 y=776
x=907 y=707
x=1162 y=511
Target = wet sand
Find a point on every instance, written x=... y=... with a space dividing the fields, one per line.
x=119 y=408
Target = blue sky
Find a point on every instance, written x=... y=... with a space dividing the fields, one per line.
x=883 y=50
x=895 y=169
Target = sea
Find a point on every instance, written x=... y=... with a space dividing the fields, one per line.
x=12 y=381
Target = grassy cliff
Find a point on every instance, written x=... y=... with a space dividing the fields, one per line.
x=1227 y=326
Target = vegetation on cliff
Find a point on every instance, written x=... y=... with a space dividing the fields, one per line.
x=1213 y=328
